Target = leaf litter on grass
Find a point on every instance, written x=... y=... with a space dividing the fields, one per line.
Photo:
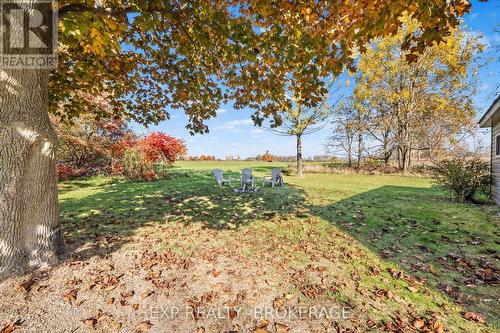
x=284 y=260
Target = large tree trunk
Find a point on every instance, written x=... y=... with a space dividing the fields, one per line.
x=30 y=234
x=403 y=157
x=299 y=156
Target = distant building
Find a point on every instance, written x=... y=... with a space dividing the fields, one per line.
x=491 y=119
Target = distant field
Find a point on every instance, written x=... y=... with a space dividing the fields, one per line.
x=259 y=167
x=233 y=166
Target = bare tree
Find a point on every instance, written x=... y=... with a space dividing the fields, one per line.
x=302 y=120
x=349 y=131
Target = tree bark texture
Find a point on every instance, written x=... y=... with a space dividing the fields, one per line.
x=299 y=156
x=30 y=234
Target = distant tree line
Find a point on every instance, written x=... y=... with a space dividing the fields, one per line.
x=200 y=158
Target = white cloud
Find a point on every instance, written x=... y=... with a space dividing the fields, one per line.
x=213 y=141
x=257 y=132
x=221 y=110
x=233 y=124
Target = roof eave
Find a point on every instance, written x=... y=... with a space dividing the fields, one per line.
x=485 y=122
x=486 y=119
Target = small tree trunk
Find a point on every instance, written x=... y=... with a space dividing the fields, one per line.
x=349 y=150
x=387 y=154
x=30 y=232
x=386 y=159
x=299 y=156
x=360 y=149
x=409 y=159
x=403 y=158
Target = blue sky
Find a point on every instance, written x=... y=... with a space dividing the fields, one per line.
x=232 y=131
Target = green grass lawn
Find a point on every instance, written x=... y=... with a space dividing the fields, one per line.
x=394 y=249
x=408 y=221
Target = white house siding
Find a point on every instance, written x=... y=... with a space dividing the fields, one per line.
x=495 y=164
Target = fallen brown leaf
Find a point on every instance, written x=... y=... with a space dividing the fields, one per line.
x=412 y=289
x=144 y=326
x=233 y=313
x=90 y=322
x=70 y=296
x=278 y=303
x=438 y=327
x=418 y=323
x=374 y=270
x=26 y=286
x=116 y=325
x=11 y=326
x=487 y=274
x=472 y=316
x=371 y=324
x=262 y=324
x=384 y=293
x=280 y=328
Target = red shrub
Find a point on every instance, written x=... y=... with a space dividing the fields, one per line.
x=149 y=176
x=159 y=146
x=119 y=148
x=66 y=171
x=117 y=167
x=148 y=158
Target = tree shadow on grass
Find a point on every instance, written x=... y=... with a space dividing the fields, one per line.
x=103 y=214
x=452 y=246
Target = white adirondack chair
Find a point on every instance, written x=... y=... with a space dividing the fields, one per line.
x=219 y=178
x=274 y=179
x=246 y=178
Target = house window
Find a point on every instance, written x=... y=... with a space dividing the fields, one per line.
x=497 y=145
